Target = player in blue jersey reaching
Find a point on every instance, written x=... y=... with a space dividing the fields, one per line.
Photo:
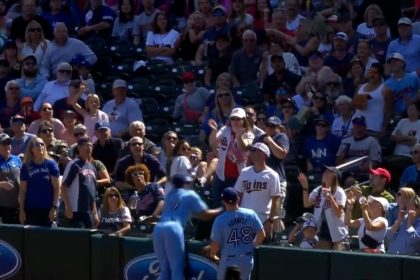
x=168 y=234
x=235 y=234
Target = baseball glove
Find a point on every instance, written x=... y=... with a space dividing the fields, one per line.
x=206 y=252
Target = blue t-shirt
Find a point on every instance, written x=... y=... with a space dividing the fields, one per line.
x=180 y=204
x=321 y=152
x=410 y=176
x=39 y=191
x=403 y=88
x=9 y=171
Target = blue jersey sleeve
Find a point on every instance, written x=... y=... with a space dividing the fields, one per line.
x=197 y=204
x=216 y=232
x=24 y=173
x=53 y=168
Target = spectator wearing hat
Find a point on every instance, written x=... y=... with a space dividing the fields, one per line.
x=400 y=89
x=107 y=149
x=320 y=149
x=309 y=235
x=295 y=235
x=345 y=24
x=10 y=106
x=56 y=89
x=410 y=176
x=281 y=77
x=143 y=22
x=341 y=126
x=46 y=114
x=339 y=59
x=20 y=137
x=35 y=43
x=137 y=156
x=121 y=110
x=379 y=182
x=31 y=82
x=66 y=104
x=96 y=21
x=63 y=49
x=246 y=61
x=372 y=225
x=403 y=236
x=407 y=44
x=27 y=110
x=369 y=100
x=230 y=142
x=218 y=64
x=19 y=24
x=359 y=145
x=78 y=188
x=382 y=39
x=259 y=187
x=328 y=200
x=220 y=27
x=190 y=105
x=10 y=166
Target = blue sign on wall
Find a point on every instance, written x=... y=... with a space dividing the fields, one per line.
x=147 y=267
x=10 y=260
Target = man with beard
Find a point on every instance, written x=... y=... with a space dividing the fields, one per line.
x=31 y=82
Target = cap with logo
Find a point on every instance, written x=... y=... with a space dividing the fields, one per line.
x=274 y=121
x=238 y=113
x=229 y=195
x=261 y=147
x=341 y=36
x=219 y=11
x=309 y=223
x=359 y=120
x=396 y=56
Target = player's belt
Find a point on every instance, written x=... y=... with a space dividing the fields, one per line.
x=240 y=255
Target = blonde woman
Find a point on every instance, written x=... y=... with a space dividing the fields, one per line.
x=403 y=197
x=39 y=186
x=35 y=42
x=114 y=216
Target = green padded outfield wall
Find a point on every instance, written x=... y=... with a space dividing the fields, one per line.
x=105 y=257
x=410 y=268
x=12 y=235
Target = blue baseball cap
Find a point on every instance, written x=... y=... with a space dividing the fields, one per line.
x=359 y=120
x=101 y=125
x=229 y=195
x=179 y=180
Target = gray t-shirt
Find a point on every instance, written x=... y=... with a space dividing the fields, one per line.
x=19 y=145
x=368 y=146
x=195 y=102
x=143 y=24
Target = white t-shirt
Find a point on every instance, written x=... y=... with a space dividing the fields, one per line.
x=162 y=40
x=258 y=188
x=341 y=128
x=336 y=225
x=378 y=235
x=369 y=31
x=374 y=112
x=406 y=127
x=181 y=165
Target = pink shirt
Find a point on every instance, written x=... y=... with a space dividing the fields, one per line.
x=57 y=124
x=91 y=120
x=68 y=136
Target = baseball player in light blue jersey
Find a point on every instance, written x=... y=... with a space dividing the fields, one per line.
x=168 y=234
x=235 y=234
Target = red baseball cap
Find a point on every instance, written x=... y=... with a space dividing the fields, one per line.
x=381 y=172
x=187 y=77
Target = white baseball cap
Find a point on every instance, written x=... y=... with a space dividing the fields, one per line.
x=261 y=147
x=238 y=112
x=381 y=200
x=341 y=36
x=405 y=20
x=396 y=56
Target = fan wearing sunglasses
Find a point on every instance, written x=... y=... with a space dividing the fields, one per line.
x=46 y=114
x=114 y=216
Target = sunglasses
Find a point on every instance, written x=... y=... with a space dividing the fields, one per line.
x=137 y=174
x=318 y=98
x=170 y=138
x=39 y=144
x=46 y=109
x=235 y=119
x=249 y=114
x=335 y=84
x=114 y=195
x=185 y=149
x=135 y=144
x=77 y=134
x=13 y=88
x=19 y=122
x=7 y=143
x=220 y=95
x=47 y=130
x=270 y=125
x=62 y=71
x=34 y=29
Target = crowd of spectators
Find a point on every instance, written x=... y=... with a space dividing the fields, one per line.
x=102 y=102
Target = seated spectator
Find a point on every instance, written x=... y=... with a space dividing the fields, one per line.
x=56 y=89
x=355 y=77
x=96 y=22
x=31 y=82
x=246 y=61
x=378 y=184
x=144 y=21
x=339 y=59
x=410 y=175
x=345 y=24
x=69 y=121
x=372 y=225
x=168 y=142
x=218 y=64
x=35 y=43
x=251 y=118
x=304 y=91
x=121 y=110
x=91 y=113
x=310 y=238
x=124 y=23
x=319 y=108
x=56 y=13
x=333 y=87
x=63 y=49
x=11 y=56
x=190 y=105
x=328 y=201
x=107 y=149
x=320 y=150
x=10 y=106
x=82 y=70
x=39 y=186
x=239 y=13
x=163 y=42
x=192 y=36
x=19 y=24
x=369 y=101
x=325 y=45
x=114 y=216
x=198 y=163
x=179 y=161
x=366 y=28
x=403 y=197
x=79 y=131
x=341 y=126
x=137 y=128
x=364 y=53
x=46 y=114
x=137 y=155
x=282 y=100
x=27 y=110
x=20 y=138
x=380 y=42
x=407 y=44
x=261 y=119
x=403 y=236
x=65 y=104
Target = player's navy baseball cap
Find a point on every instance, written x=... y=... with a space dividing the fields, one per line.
x=229 y=195
x=179 y=180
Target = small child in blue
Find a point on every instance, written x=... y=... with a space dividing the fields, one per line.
x=235 y=234
x=168 y=235
x=309 y=235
